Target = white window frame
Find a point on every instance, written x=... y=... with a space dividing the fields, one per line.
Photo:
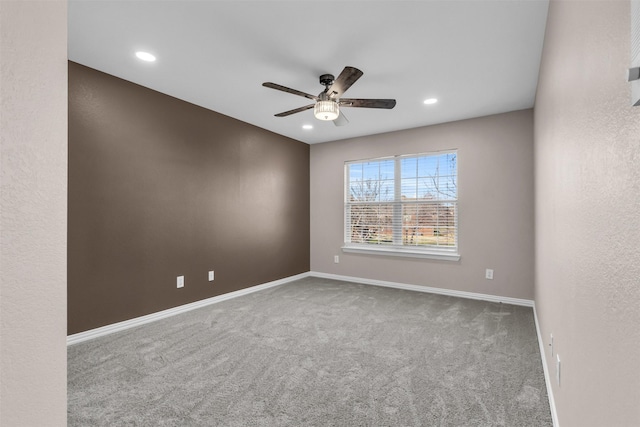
x=397 y=248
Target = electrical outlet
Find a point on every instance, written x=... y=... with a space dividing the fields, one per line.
x=558 y=369
x=211 y=276
x=180 y=282
x=489 y=274
x=336 y=259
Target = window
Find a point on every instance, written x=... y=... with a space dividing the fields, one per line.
x=403 y=205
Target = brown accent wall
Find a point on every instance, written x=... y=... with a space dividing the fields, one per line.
x=160 y=188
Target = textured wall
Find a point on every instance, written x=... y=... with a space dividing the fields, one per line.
x=160 y=188
x=587 y=156
x=495 y=162
x=33 y=213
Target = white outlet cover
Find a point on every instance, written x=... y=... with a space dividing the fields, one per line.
x=489 y=274
x=336 y=259
x=180 y=282
x=211 y=276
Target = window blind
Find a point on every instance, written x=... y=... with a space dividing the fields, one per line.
x=403 y=201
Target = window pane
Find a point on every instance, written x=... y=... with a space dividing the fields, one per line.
x=386 y=169
x=451 y=160
x=355 y=171
x=371 y=171
x=428 y=224
x=409 y=188
x=409 y=167
x=447 y=188
x=386 y=191
x=364 y=191
x=428 y=166
x=371 y=181
x=426 y=189
x=377 y=191
x=371 y=223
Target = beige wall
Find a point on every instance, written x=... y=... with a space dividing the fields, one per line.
x=33 y=207
x=495 y=162
x=587 y=156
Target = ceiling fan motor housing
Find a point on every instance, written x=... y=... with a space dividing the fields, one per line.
x=327 y=79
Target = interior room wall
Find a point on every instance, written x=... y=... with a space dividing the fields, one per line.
x=587 y=157
x=33 y=213
x=160 y=188
x=495 y=184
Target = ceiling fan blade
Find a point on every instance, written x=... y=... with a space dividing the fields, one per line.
x=289 y=90
x=341 y=120
x=368 y=103
x=347 y=77
x=297 y=110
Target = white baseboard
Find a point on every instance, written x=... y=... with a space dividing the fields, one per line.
x=427 y=289
x=121 y=326
x=545 y=368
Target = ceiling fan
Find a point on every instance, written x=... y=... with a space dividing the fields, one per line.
x=328 y=102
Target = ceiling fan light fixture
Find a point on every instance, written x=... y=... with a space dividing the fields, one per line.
x=326 y=110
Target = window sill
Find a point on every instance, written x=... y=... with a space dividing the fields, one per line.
x=403 y=252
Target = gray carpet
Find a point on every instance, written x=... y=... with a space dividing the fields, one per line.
x=317 y=352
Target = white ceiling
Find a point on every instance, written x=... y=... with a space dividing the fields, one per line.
x=477 y=57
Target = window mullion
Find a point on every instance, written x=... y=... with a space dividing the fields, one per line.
x=397 y=202
x=347 y=205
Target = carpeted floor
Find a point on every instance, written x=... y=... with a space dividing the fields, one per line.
x=317 y=352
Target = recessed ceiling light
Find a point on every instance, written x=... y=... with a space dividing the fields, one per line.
x=430 y=101
x=145 y=56
x=307 y=127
